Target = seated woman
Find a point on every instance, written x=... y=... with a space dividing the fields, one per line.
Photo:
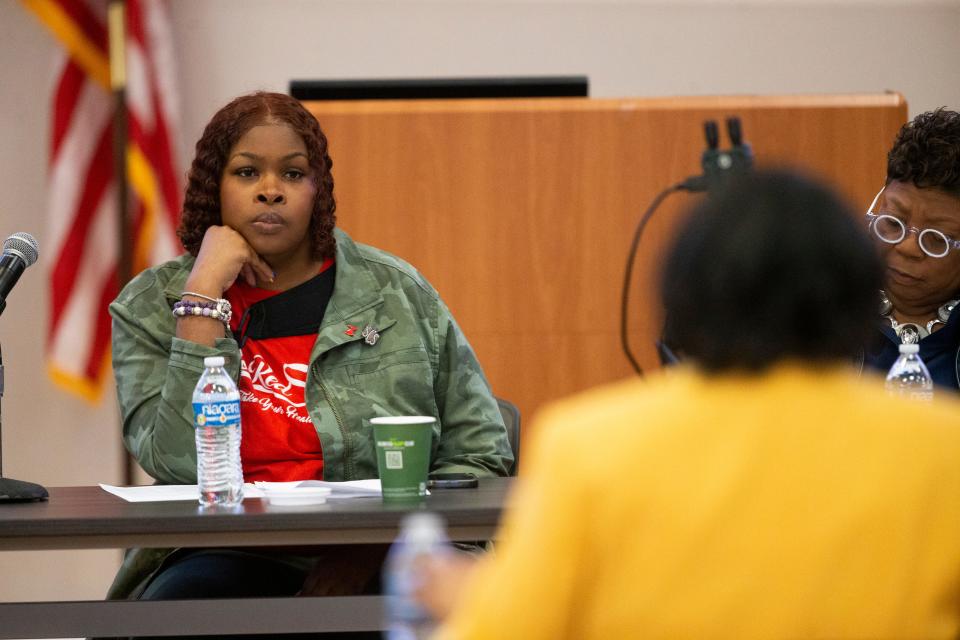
x=760 y=489
x=324 y=333
x=916 y=221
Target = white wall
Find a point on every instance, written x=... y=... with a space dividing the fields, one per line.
x=228 y=47
x=627 y=48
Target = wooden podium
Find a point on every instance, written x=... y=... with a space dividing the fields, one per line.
x=521 y=212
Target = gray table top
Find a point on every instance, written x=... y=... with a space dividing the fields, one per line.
x=89 y=517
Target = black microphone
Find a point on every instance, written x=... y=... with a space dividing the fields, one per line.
x=718 y=164
x=19 y=252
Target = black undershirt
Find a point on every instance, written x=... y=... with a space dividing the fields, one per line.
x=295 y=312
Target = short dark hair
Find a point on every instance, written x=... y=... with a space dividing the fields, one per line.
x=926 y=152
x=201 y=202
x=772 y=267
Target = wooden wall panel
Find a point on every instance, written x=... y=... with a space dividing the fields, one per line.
x=521 y=212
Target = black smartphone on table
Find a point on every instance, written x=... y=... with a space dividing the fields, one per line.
x=452 y=481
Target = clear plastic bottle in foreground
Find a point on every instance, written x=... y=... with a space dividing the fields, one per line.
x=216 y=418
x=909 y=377
x=422 y=534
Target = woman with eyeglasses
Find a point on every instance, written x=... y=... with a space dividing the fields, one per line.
x=916 y=221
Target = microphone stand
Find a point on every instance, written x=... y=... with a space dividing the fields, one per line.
x=14 y=490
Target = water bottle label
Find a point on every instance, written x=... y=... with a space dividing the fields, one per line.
x=216 y=414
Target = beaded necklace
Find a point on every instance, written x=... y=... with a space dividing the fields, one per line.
x=910 y=332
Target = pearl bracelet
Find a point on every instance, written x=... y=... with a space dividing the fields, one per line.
x=220 y=310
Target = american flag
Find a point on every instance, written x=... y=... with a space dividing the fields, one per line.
x=82 y=225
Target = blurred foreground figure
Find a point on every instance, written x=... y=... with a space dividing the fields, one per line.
x=761 y=489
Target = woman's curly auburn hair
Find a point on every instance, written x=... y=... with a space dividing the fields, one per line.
x=926 y=152
x=201 y=202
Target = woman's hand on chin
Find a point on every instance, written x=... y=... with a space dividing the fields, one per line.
x=225 y=255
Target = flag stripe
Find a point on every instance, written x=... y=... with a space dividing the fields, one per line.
x=64 y=103
x=65 y=272
x=101 y=328
x=80 y=14
x=144 y=182
x=72 y=347
x=88 y=49
x=68 y=169
x=163 y=91
x=135 y=24
x=163 y=66
x=162 y=152
x=157 y=148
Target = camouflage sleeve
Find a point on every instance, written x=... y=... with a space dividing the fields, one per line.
x=155 y=374
x=473 y=438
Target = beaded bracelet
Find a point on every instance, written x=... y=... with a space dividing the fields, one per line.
x=220 y=311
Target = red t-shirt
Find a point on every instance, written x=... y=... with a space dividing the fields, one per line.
x=279 y=440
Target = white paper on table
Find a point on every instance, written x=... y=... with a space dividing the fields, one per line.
x=338 y=490
x=175 y=492
x=168 y=492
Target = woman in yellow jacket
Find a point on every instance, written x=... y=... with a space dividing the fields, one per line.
x=760 y=490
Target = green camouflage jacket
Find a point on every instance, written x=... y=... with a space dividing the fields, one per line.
x=421 y=365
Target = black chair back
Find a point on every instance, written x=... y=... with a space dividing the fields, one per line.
x=511 y=419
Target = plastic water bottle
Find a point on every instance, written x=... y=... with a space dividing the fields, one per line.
x=909 y=377
x=216 y=416
x=422 y=534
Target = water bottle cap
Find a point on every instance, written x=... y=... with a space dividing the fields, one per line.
x=910 y=348
x=213 y=361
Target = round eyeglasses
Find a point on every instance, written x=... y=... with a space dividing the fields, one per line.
x=893 y=230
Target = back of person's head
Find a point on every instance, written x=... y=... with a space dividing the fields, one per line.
x=773 y=267
x=926 y=152
x=201 y=203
